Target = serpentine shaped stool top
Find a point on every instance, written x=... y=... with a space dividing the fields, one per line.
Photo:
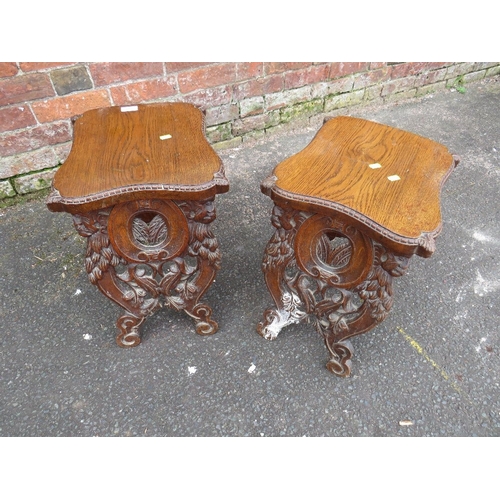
x=350 y=210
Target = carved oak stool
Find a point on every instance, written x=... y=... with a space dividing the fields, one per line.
x=140 y=183
x=350 y=210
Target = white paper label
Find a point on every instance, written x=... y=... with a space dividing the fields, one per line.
x=124 y=109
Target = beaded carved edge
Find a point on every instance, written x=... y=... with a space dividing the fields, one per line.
x=425 y=242
x=219 y=180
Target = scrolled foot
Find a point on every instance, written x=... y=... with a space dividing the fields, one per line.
x=208 y=327
x=340 y=363
x=270 y=327
x=129 y=335
x=205 y=325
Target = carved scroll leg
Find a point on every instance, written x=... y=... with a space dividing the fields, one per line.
x=199 y=311
x=286 y=312
x=340 y=349
x=376 y=294
x=202 y=313
x=204 y=247
x=101 y=259
x=129 y=323
x=129 y=335
x=275 y=318
x=288 y=308
x=337 y=324
x=340 y=362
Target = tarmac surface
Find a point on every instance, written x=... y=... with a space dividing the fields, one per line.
x=432 y=368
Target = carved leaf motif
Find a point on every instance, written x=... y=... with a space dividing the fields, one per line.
x=335 y=256
x=97 y=241
x=341 y=255
x=204 y=244
x=340 y=326
x=174 y=302
x=383 y=278
x=140 y=230
x=158 y=229
x=99 y=256
x=149 y=234
x=279 y=250
x=107 y=253
x=347 y=302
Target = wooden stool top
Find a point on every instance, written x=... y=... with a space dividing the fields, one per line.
x=133 y=152
x=386 y=179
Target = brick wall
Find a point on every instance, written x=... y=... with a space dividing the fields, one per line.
x=241 y=100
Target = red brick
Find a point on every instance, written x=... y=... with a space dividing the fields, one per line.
x=37 y=66
x=209 y=98
x=173 y=67
x=252 y=123
x=23 y=163
x=371 y=78
x=400 y=70
x=144 y=91
x=258 y=87
x=119 y=95
x=409 y=69
x=247 y=70
x=339 y=69
x=16 y=117
x=25 y=88
x=8 y=69
x=430 y=77
x=281 y=67
x=34 y=138
x=114 y=72
x=74 y=104
x=288 y=98
x=206 y=77
x=221 y=114
x=329 y=87
x=377 y=65
x=306 y=76
x=437 y=65
x=399 y=85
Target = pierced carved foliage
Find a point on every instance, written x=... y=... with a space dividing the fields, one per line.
x=142 y=287
x=342 y=283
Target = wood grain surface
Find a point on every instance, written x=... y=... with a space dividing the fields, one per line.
x=351 y=161
x=150 y=144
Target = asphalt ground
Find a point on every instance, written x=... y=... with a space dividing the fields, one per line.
x=430 y=369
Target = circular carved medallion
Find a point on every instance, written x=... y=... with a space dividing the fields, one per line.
x=148 y=230
x=333 y=251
